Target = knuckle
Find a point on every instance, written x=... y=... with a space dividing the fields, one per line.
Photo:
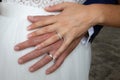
x=28 y=42
x=44 y=22
x=34 y=33
x=35 y=41
x=46 y=29
x=43 y=44
x=36 y=24
x=54 y=38
x=35 y=53
x=47 y=59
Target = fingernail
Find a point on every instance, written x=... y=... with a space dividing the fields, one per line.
x=20 y=61
x=47 y=7
x=47 y=72
x=30 y=35
x=29 y=28
x=17 y=48
x=31 y=69
x=31 y=17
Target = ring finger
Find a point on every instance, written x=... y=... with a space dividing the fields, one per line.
x=42 y=62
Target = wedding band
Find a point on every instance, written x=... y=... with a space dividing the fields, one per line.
x=59 y=35
x=50 y=56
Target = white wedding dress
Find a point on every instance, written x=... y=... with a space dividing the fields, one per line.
x=13 y=24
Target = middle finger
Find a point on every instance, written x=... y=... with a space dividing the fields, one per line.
x=33 y=41
x=32 y=55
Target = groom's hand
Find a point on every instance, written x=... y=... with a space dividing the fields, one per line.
x=46 y=59
x=49 y=49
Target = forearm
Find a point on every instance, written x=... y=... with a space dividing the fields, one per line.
x=108 y=14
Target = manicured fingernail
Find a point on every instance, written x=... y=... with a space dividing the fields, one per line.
x=29 y=28
x=20 y=61
x=47 y=72
x=47 y=7
x=17 y=48
x=31 y=17
x=31 y=69
x=30 y=35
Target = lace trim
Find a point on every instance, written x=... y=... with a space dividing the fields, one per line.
x=42 y=3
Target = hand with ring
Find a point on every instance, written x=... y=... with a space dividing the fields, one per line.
x=72 y=22
x=51 y=50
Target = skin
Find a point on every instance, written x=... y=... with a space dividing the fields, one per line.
x=74 y=20
x=31 y=42
x=110 y=14
x=66 y=24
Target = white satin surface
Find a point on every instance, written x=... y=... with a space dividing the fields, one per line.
x=13 y=24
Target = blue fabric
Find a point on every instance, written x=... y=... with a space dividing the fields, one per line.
x=97 y=28
x=101 y=1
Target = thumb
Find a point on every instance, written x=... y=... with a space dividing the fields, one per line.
x=55 y=8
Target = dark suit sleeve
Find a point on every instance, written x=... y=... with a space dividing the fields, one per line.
x=119 y=1
x=97 y=28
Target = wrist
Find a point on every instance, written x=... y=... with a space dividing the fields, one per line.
x=97 y=13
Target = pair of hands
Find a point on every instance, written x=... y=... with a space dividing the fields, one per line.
x=72 y=23
x=32 y=42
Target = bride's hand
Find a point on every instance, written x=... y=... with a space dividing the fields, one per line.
x=73 y=21
x=51 y=49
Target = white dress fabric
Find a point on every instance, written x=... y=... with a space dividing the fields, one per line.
x=13 y=24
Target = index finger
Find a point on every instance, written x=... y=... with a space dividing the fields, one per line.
x=34 y=19
x=32 y=41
